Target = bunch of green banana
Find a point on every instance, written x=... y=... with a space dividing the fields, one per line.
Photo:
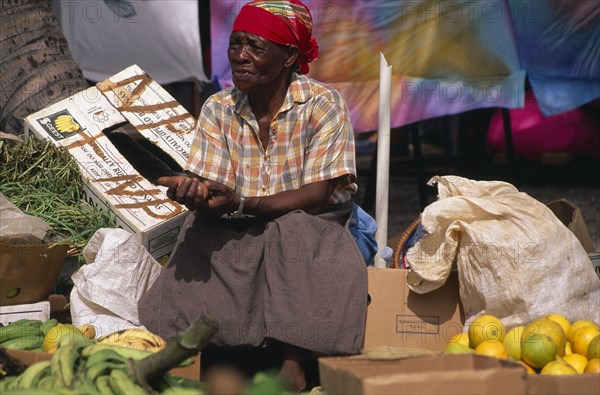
x=25 y=334
x=81 y=366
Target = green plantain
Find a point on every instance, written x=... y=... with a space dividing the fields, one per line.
x=122 y=384
x=31 y=377
x=63 y=363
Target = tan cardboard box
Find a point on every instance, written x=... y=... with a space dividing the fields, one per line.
x=28 y=272
x=130 y=102
x=580 y=384
x=30 y=357
x=448 y=374
x=399 y=317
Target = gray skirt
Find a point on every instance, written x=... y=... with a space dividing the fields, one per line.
x=299 y=279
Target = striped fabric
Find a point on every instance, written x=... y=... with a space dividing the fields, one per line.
x=286 y=9
x=311 y=140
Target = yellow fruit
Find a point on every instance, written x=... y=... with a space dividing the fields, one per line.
x=580 y=324
x=492 y=349
x=558 y=368
x=560 y=320
x=577 y=361
x=537 y=350
x=458 y=348
x=88 y=331
x=460 y=338
x=582 y=338
x=568 y=349
x=593 y=350
x=53 y=335
x=528 y=368
x=486 y=328
x=512 y=342
x=550 y=328
x=593 y=366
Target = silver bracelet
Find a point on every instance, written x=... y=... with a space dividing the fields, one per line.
x=239 y=213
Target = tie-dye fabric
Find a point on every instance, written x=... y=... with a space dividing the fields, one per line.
x=447 y=57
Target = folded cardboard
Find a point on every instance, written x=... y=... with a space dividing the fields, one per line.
x=399 y=317
x=30 y=357
x=28 y=272
x=571 y=217
x=128 y=101
x=33 y=311
x=444 y=374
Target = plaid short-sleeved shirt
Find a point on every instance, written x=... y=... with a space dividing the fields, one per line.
x=311 y=139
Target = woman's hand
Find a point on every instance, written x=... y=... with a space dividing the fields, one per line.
x=208 y=197
x=221 y=200
x=189 y=191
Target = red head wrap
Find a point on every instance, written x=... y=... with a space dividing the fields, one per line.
x=283 y=22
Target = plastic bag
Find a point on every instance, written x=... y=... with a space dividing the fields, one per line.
x=107 y=289
x=18 y=227
x=515 y=258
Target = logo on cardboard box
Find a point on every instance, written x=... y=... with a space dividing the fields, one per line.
x=60 y=125
x=428 y=325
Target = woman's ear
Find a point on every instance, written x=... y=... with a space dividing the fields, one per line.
x=291 y=52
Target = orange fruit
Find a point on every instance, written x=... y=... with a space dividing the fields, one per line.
x=460 y=338
x=528 y=368
x=537 y=350
x=577 y=361
x=486 y=327
x=458 y=348
x=512 y=342
x=560 y=320
x=558 y=368
x=593 y=366
x=568 y=349
x=550 y=328
x=593 y=350
x=579 y=324
x=582 y=338
x=492 y=349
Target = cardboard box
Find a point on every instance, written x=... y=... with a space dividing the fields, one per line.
x=28 y=272
x=128 y=102
x=34 y=311
x=448 y=374
x=189 y=372
x=571 y=217
x=399 y=317
x=580 y=384
x=30 y=357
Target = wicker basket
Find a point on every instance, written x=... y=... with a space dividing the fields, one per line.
x=397 y=254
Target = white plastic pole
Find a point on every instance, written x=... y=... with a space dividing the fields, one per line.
x=383 y=158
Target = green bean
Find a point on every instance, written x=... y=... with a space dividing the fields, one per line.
x=45 y=181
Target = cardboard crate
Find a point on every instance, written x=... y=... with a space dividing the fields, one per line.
x=447 y=374
x=130 y=102
x=28 y=272
x=34 y=311
x=399 y=317
x=580 y=384
x=30 y=357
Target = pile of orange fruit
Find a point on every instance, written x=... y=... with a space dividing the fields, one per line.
x=548 y=345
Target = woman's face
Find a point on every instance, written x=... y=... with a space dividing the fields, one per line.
x=255 y=61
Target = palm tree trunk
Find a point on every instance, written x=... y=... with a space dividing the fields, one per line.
x=36 y=66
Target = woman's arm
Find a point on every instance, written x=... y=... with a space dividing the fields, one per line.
x=215 y=199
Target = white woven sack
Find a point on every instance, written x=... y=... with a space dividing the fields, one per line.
x=107 y=289
x=515 y=259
